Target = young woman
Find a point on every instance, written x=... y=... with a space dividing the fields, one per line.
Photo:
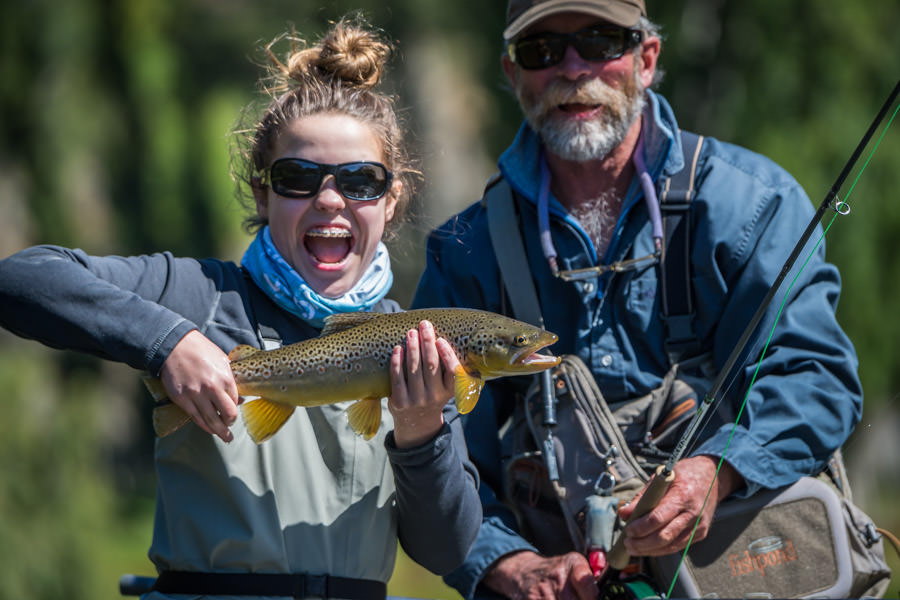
x=316 y=510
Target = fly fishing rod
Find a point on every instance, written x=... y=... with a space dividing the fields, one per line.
x=665 y=474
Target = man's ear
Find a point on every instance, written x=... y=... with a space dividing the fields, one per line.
x=649 y=55
x=509 y=68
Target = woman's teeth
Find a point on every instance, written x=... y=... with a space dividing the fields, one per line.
x=328 y=244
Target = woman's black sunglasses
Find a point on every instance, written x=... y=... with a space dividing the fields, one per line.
x=301 y=178
x=543 y=50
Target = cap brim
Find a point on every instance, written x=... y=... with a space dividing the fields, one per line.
x=622 y=14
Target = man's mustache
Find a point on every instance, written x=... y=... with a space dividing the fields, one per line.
x=590 y=92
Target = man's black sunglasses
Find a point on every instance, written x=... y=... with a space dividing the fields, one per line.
x=543 y=50
x=301 y=178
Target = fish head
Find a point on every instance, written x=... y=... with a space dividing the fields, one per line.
x=504 y=346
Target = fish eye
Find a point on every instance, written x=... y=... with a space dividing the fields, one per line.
x=521 y=340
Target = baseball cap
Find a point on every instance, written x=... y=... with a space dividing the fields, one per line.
x=522 y=13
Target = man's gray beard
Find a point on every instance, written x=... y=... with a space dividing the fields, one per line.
x=583 y=140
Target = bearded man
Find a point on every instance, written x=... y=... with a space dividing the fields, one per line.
x=596 y=148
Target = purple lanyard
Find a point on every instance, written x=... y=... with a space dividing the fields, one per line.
x=649 y=197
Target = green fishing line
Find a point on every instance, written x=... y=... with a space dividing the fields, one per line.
x=812 y=252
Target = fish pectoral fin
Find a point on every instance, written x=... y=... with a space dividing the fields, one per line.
x=168 y=418
x=365 y=417
x=467 y=389
x=242 y=351
x=341 y=321
x=263 y=418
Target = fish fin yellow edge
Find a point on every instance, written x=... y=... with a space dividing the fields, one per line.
x=365 y=417
x=467 y=389
x=168 y=418
x=263 y=418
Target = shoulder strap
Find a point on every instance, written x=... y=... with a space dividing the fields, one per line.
x=506 y=239
x=676 y=291
x=269 y=338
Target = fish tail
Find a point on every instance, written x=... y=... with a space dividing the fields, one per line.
x=168 y=418
x=156 y=388
x=467 y=389
x=365 y=417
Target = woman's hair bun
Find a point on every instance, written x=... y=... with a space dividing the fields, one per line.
x=350 y=52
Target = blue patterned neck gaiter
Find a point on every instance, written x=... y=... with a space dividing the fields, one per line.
x=278 y=279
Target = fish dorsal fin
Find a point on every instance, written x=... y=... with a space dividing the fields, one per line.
x=467 y=389
x=241 y=352
x=365 y=417
x=263 y=418
x=341 y=321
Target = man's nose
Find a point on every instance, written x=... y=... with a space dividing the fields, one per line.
x=572 y=65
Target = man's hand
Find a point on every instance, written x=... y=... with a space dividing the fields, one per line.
x=197 y=375
x=667 y=528
x=528 y=576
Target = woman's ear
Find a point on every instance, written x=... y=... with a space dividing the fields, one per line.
x=260 y=194
x=393 y=197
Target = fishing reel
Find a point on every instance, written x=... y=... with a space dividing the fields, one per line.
x=632 y=587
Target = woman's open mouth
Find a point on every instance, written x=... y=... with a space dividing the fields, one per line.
x=328 y=245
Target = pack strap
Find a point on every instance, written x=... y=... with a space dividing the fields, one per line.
x=269 y=338
x=291 y=585
x=676 y=289
x=506 y=239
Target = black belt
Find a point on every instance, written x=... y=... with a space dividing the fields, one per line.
x=300 y=585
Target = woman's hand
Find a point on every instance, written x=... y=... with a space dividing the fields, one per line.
x=421 y=384
x=197 y=375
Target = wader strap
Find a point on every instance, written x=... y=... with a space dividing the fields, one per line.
x=269 y=338
x=676 y=290
x=506 y=239
x=300 y=585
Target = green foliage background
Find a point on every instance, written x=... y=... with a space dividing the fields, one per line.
x=114 y=137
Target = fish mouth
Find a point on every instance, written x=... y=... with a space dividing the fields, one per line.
x=329 y=245
x=528 y=360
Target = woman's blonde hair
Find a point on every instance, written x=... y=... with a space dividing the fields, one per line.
x=336 y=75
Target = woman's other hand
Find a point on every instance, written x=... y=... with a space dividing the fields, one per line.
x=197 y=375
x=422 y=378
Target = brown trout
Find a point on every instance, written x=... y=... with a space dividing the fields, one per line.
x=350 y=361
